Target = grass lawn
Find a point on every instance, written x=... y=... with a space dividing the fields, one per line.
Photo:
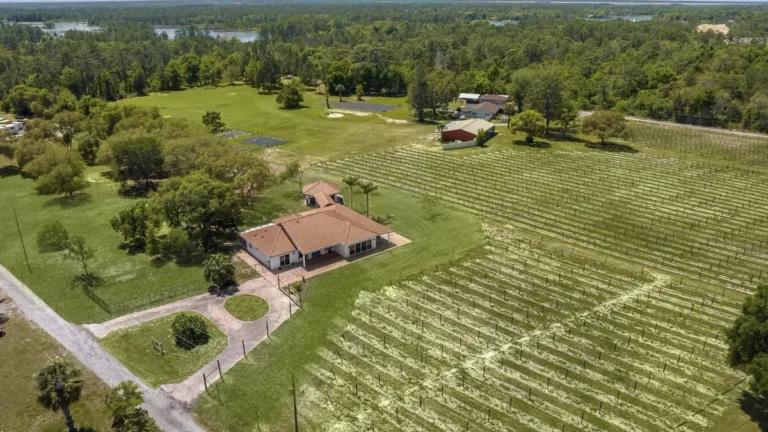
x=130 y=282
x=260 y=386
x=23 y=352
x=133 y=347
x=247 y=307
x=307 y=130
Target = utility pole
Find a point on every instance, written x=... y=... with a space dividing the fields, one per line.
x=24 y=248
x=295 y=409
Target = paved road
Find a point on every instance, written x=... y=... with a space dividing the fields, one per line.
x=169 y=414
x=212 y=306
x=687 y=126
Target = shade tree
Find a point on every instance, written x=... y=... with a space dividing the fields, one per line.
x=133 y=156
x=530 y=122
x=205 y=208
x=748 y=340
x=212 y=120
x=291 y=95
x=605 y=125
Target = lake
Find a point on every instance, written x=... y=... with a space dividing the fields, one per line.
x=632 y=18
x=62 y=27
x=244 y=36
x=503 y=22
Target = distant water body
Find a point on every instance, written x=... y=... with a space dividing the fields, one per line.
x=244 y=36
x=62 y=27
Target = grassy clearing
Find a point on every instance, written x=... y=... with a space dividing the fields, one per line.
x=130 y=282
x=133 y=347
x=308 y=131
x=247 y=307
x=331 y=296
x=24 y=351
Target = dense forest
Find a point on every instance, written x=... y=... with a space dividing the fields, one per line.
x=592 y=56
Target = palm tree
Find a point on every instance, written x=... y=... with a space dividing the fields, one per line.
x=59 y=386
x=340 y=89
x=367 y=188
x=351 y=181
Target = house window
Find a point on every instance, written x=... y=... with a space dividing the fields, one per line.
x=285 y=260
x=360 y=247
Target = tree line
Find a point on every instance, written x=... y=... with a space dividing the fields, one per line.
x=662 y=69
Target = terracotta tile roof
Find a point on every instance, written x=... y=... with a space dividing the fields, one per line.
x=314 y=230
x=272 y=240
x=321 y=187
x=323 y=199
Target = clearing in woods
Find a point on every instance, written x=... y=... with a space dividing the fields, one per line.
x=599 y=303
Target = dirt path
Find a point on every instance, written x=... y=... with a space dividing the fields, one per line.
x=169 y=414
x=238 y=332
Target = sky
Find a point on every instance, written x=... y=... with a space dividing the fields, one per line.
x=575 y=1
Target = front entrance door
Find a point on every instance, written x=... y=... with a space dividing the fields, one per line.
x=285 y=260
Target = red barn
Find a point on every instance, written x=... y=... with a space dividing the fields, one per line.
x=466 y=130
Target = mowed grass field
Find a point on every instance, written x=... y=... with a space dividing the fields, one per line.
x=130 y=282
x=26 y=349
x=133 y=347
x=256 y=389
x=308 y=131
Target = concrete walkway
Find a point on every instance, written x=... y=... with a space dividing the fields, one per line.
x=169 y=414
x=250 y=333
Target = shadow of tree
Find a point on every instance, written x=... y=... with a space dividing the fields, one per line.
x=264 y=210
x=67 y=201
x=612 y=147
x=568 y=138
x=9 y=170
x=535 y=144
x=756 y=407
x=87 y=281
x=136 y=190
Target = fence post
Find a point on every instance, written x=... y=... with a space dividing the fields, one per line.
x=244 y=354
x=221 y=375
x=205 y=382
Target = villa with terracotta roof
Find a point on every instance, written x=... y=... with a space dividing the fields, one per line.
x=298 y=238
x=322 y=194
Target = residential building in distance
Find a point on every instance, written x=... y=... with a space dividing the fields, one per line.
x=485 y=111
x=469 y=98
x=495 y=99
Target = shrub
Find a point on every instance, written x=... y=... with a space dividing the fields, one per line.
x=52 y=237
x=219 y=270
x=189 y=330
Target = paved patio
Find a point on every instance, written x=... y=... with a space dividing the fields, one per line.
x=317 y=265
